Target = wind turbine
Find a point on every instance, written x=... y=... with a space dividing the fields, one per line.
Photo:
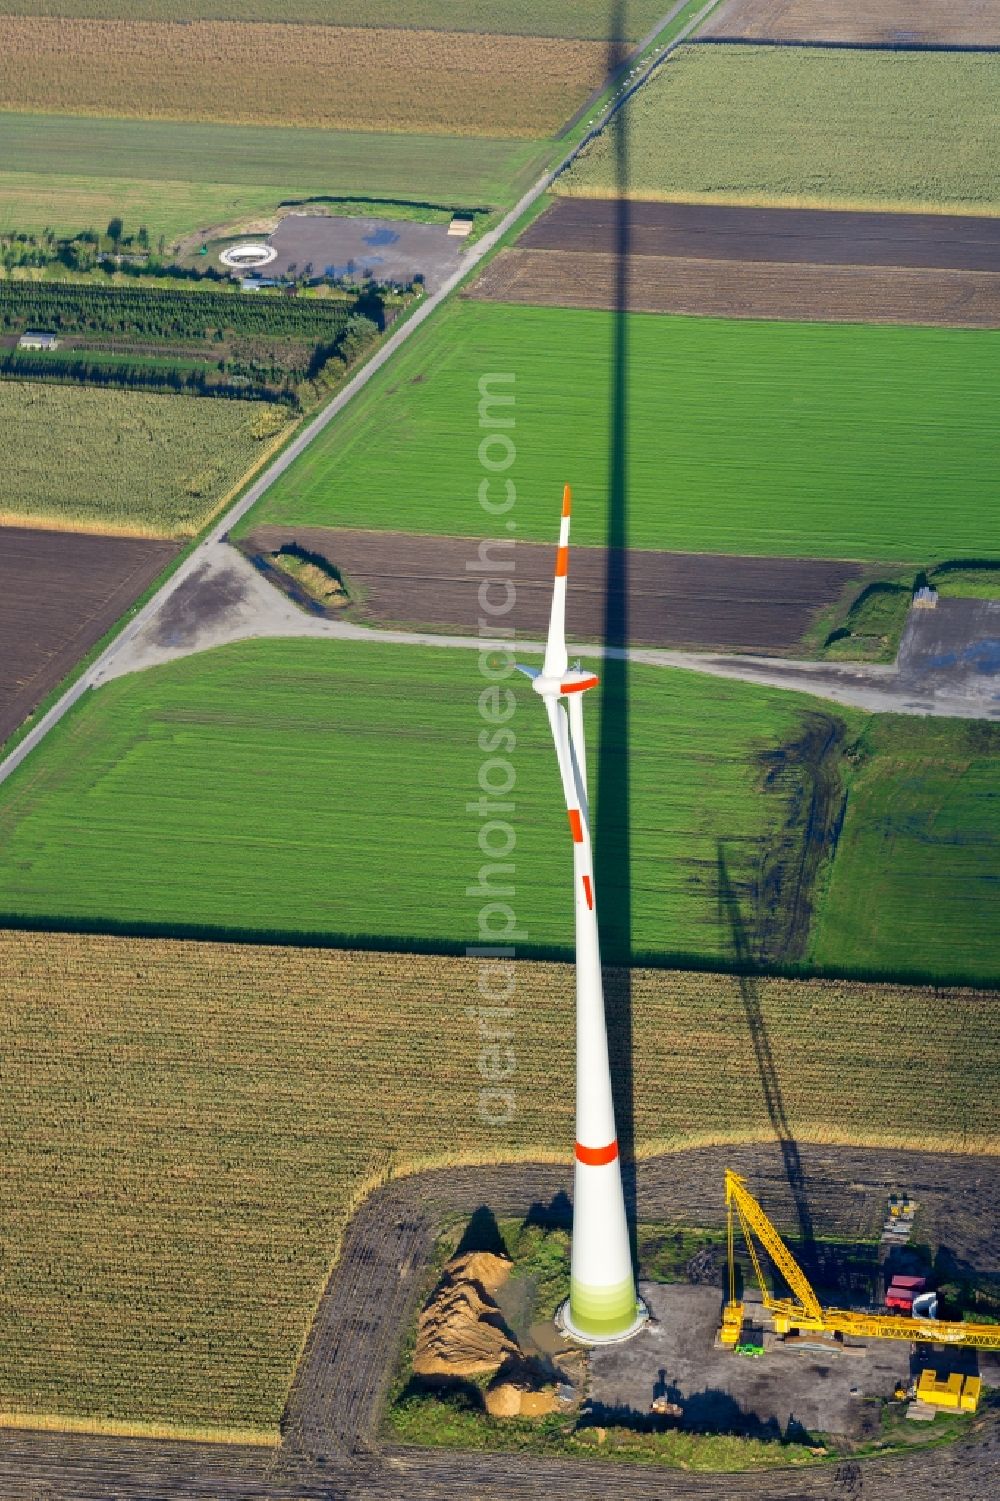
x=602 y=1304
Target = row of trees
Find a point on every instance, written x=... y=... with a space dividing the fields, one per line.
x=70 y=370
x=80 y=252
x=172 y=313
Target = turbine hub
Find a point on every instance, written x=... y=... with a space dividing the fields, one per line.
x=573 y=680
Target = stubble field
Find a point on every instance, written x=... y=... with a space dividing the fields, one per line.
x=813 y=127
x=320 y=76
x=786 y=439
x=189 y=1126
x=563 y=18
x=950 y=23
x=124 y=463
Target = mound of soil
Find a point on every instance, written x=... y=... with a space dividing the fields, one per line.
x=520 y=1390
x=461 y=1331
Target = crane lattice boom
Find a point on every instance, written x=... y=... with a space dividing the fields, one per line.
x=803 y=1311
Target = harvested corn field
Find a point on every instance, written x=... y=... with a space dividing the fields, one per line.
x=807 y=126
x=342 y=77
x=189 y=1126
x=125 y=462
x=753 y=289
x=898 y=23
x=570 y=18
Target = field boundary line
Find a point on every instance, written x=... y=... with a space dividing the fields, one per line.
x=297 y=445
x=630 y=57
x=53 y=1422
x=825 y=44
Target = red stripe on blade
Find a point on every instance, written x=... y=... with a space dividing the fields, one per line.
x=579 y=687
x=588 y=892
x=576 y=825
x=562 y=562
x=567 y=500
x=596 y=1156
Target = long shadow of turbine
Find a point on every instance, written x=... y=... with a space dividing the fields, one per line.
x=741 y=949
x=612 y=845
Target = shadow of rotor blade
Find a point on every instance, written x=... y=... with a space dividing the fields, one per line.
x=613 y=842
x=738 y=940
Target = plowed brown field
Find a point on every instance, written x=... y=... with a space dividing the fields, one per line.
x=343 y=77
x=735 y=262
x=59 y=593
x=729 y=232
x=745 y=289
x=953 y=23
x=675 y=599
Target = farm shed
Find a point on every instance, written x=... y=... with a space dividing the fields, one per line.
x=31 y=339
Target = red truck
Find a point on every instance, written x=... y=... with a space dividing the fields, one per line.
x=902 y=1291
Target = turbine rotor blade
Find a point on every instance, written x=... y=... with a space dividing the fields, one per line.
x=560 y=735
x=578 y=747
x=556 y=655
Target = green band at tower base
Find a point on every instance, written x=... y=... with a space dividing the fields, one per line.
x=602 y=1310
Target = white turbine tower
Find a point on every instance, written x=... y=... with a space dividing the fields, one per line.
x=602 y=1303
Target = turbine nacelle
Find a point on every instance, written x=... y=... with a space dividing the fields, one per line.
x=548 y=685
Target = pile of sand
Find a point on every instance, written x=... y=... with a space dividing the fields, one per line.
x=461 y=1332
x=520 y=1390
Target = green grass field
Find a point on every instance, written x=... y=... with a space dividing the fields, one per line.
x=822 y=127
x=793 y=439
x=125 y=461
x=569 y=18
x=175 y=177
x=292 y=787
x=917 y=869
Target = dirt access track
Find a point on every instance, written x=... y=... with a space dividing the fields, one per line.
x=674 y=599
x=332 y=1444
x=728 y=261
x=894 y=23
x=59 y=593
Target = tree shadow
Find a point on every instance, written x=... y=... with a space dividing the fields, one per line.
x=612 y=845
x=738 y=941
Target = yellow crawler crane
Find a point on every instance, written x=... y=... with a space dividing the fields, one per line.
x=803 y=1311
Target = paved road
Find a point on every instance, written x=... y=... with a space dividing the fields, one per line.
x=948 y=665
x=332 y=1446
x=473 y=256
